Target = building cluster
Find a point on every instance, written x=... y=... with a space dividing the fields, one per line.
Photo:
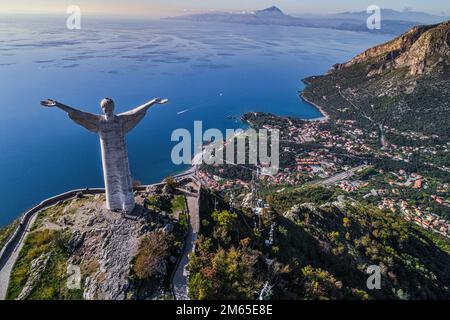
x=322 y=163
x=218 y=183
x=404 y=179
x=428 y=221
x=350 y=186
x=414 y=213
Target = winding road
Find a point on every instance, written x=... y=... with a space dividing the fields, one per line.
x=180 y=277
x=7 y=265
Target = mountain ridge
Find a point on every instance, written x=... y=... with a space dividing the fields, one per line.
x=393 y=22
x=402 y=85
x=273 y=10
x=414 y=49
x=390 y=14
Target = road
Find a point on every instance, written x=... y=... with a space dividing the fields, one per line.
x=186 y=174
x=340 y=176
x=180 y=278
x=7 y=266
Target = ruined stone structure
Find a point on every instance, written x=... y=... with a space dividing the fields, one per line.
x=112 y=129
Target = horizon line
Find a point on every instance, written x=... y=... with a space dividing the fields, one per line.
x=192 y=12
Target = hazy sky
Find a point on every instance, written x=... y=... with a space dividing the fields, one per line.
x=158 y=8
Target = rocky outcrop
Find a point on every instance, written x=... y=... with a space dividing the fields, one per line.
x=75 y=241
x=38 y=266
x=421 y=50
x=112 y=244
x=102 y=245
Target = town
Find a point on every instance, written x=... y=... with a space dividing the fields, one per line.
x=346 y=158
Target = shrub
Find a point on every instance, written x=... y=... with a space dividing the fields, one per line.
x=224 y=218
x=320 y=284
x=153 y=251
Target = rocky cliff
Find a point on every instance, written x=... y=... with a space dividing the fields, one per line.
x=78 y=249
x=402 y=84
x=422 y=49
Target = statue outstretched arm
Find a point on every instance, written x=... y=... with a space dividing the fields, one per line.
x=131 y=118
x=87 y=120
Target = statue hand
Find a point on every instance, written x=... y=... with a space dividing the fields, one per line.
x=49 y=103
x=161 y=101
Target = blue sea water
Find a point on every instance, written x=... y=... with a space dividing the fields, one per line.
x=207 y=71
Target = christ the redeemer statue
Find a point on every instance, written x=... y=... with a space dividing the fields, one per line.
x=111 y=129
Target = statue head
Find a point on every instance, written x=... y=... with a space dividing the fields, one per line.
x=107 y=105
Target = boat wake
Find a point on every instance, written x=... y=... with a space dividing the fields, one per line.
x=183 y=111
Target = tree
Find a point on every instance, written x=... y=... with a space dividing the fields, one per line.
x=320 y=284
x=225 y=219
x=153 y=251
x=170 y=184
x=200 y=288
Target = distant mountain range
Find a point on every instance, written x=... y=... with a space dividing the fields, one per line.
x=393 y=22
x=272 y=15
x=389 y=14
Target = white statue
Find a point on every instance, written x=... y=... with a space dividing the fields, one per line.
x=111 y=129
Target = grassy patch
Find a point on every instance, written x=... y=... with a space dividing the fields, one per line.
x=160 y=203
x=180 y=230
x=50 y=214
x=7 y=232
x=52 y=283
x=178 y=204
x=179 y=210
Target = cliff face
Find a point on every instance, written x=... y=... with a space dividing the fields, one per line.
x=422 y=50
x=78 y=249
x=403 y=84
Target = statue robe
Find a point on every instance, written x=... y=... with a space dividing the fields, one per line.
x=116 y=167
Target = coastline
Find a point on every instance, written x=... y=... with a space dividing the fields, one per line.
x=325 y=116
x=196 y=160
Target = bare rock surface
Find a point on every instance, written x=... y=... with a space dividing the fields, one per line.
x=111 y=242
x=38 y=265
x=102 y=243
x=422 y=50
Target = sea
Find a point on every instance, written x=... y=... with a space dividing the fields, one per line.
x=210 y=72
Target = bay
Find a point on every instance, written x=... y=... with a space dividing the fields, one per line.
x=208 y=71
